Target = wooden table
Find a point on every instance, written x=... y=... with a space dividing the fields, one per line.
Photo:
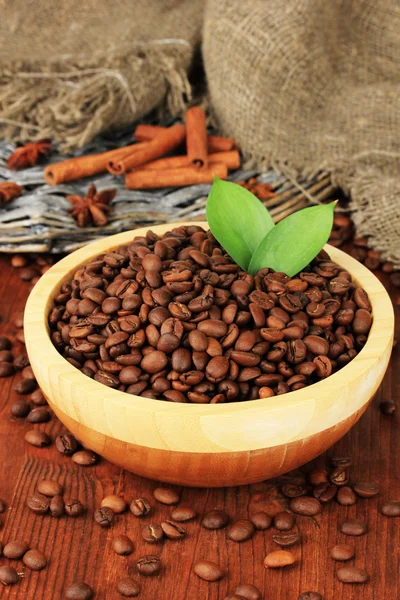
x=78 y=549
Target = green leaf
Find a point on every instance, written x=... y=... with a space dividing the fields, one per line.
x=237 y=219
x=293 y=243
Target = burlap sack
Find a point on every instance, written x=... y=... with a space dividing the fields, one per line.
x=70 y=69
x=315 y=84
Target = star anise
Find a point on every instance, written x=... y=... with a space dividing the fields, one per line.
x=94 y=209
x=8 y=191
x=29 y=155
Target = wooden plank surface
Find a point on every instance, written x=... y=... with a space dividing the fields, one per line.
x=78 y=549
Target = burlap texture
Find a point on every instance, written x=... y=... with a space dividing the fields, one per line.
x=71 y=69
x=315 y=84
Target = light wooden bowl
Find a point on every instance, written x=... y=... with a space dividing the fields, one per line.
x=205 y=445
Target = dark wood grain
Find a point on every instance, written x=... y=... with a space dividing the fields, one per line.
x=79 y=549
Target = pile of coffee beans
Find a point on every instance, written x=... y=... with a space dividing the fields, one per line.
x=174 y=318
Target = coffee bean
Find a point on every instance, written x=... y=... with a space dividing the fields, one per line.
x=57 y=506
x=128 y=587
x=85 y=458
x=166 y=496
x=310 y=596
x=291 y=490
x=183 y=513
x=38 y=415
x=286 y=539
x=387 y=407
x=79 y=591
x=8 y=575
x=20 y=409
x=173 y=531
x=152 y=533
x=284 y=521
x=6 y=356
x=66 y=444
x=324 y=492
x=140 y=507
x=391 y=508
x=342 y=552
x=366 y=489
x=149 y=565
x=20 y=362
x=122 y=545
x=5 y=343
x=215 y=519
x=47 y=487
x=344 y=462
x=304 y=505
x=38 y=398
x=279 y=559
x=261 y=520
x=74 y=508
x=15 y=549
x=116 y=503
x=6 y=369
x=208 y=570
x=240 y=531
x=104 y=516
x=37 y=438
x=35 y=560
x=345 y=496
x=354 y=527
x=38 y=503
x=25 y=386
x=351 y=575
x=248 y=591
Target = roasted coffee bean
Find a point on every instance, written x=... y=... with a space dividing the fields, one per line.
x=116 y=503
x=345 y=496
x=38 y=503
x=339 y=476
x=57 y=506
x=304 y=505
x=325 y=492
x=20 y=409
x=5 y=343
x=38 y=398
x=342 y=552
x=387 y=407
x=366 y=489
x=85 y=458
x=279 y=559
x=215 y=519
x=66 y=444
x=261 y=520
x=391 y=508
x=286 y=539
x=6 y=356
x=149 y=565
x=79 y=591
x=354 y=527
x=152 y=533
x=128 y=587
x=104 y=516
x=181 y=514
x=15 y=549
x=352 y=575
x=213 y=328
x=140 y=507
x=122 y=545
x=292 y=490
x=37 y=438
x=248 y=591
x=166 y=496
x=172 y=531
x=317 y=476
x=240 y=531
x=35 y=560
x=284 y=521
x=25 y=386
x=50 y=488
x=344 y=462
x=208 y=570
x=38 y=415
x=8 y=575
x=74 y=508
x=362 y=322
x=310 y=596
x=6 y=369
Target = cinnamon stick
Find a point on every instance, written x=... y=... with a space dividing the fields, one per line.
x=147 y=179
x=85 y=166
x=145 y=133
x=163 y=143
x=231 y=159
x=196 y=137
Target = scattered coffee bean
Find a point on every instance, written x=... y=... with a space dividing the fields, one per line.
x=38 y=415
x=148 y=565
x=38 y=503
x=240 y=530
x=3 y=506
x=310 y=596
x=365 y=489
x=35 y=560
x=391 y=508
x=38 y=398
x=387 y=407
x=261 y=520
x=6 y=356
x=345 y=496
x=122 y=545
x=248 y=591
x=104 y=516
x=342 y=552
x=15 y=549
x=20 y=362
x=152 y=533
x=173 y=531
x=6 y=369
x=57 y=506
x=215 y=519
x=47 y=487
x=354 y=527
x=166 y=496
x=25 y=386
x=27 y=373
x=286 y=539
x=79 y=591
x=140 y=507
x=85 y=458
x=5 y=343
x=284 y=521
x=8 y=575
x=116 y=503
x=67 y=444
x=304 y=505
x=20 y=409
x=74 y=508
x=351 y=575
x=208 y=570
x=291 y=490
x=128 y=587
x=183 y=513
x=37 y=438
x=279 y=559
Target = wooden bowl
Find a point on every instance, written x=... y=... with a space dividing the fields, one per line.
x=205 y=445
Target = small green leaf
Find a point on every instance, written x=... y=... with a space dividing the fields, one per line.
x=237 y=219
x=293 y=243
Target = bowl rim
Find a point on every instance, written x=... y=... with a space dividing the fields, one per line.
x=40 y=300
